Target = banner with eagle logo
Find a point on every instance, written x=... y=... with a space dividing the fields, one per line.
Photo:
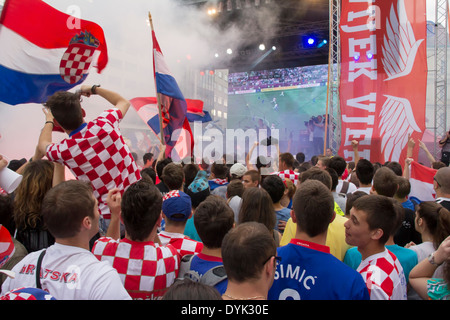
x=383 y=77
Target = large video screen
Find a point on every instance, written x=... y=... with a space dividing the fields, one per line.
x=288 y=99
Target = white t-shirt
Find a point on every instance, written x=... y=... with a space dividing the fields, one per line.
x=364 y=189
x=351 y=188
x=69 y=273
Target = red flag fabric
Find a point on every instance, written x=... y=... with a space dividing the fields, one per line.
x=44 y=50
x=421 y=179
x=383 y=77
x=175 y=125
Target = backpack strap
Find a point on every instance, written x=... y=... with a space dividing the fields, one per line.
x=214 y=275
x=38 y=270
x=345 y=186
x=185 y=266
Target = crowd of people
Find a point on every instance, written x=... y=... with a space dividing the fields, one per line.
x=288 y=77
x=323 y=229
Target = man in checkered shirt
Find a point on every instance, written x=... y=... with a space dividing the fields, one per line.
x=95 y=151
x=372 y=219
x=145 y=267
x=286 y=167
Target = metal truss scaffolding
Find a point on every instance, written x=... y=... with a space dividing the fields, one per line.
x=334 y=71
x=440 y=77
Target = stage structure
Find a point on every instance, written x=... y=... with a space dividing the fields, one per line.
x=439 y=57
x=440 y=69
x=333 y=110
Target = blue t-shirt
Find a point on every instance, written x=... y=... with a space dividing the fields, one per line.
x=201 y=263
x=409 y=205
x=308 y=271
x=213 y=184
x=190 y=231
x=407 y=257
x=283 y=214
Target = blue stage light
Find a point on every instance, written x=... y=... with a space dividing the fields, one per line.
x=309 y=41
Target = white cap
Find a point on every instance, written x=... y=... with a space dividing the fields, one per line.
x=238 y=169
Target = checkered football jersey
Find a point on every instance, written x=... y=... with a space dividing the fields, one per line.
x=146 y=269
x=27 y=293
x=98 y=153
x=288 y=174
x=182 y=243
x=384 y=276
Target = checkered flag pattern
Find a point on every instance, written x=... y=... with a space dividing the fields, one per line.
x=146 y=269
x=171 y=194
x=385 y=274
x=182 y=243
x=27 y=293
x=75 y=63
x=288 y=174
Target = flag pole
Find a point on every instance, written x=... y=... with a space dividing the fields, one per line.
x=157 y=94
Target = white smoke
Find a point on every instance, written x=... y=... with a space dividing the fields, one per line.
x=187 y=39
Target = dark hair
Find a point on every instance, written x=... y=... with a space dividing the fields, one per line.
x=173 y=176
x=351 y=165
x=235 y=188
x=245 y=249
x=316 y=173
x=219 y=170
x=396 y=167
x=254 y=175
x=300 y=157
x=213 y=218
x=141 y=208
x=147 y=156
x=334 y=178
x=437 y=219
x=257 y=206
x=313 y=205
x=187 y=289
x=37 y=180
x=404 y=187
x=66 y=109
x=351 y=197
x=338 y=163
x=66 y=205
x=161 y=164
x=190 y=170
x=438 y=164
x=150 y=172
x=385 y=182
x=364 y=171
x=381 y=213
x=274 y=186
x=287 y=158
x=6 y=212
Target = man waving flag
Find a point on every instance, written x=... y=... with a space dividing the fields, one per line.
x=44 y=50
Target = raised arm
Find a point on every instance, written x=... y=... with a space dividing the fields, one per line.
x=355 y=151
x=114 y=200
x=423 y=271
x=45 y=138
x=112 y=97
x=427 y=152
x=249 y=156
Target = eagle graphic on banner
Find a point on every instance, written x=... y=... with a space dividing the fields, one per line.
x=400 y=47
